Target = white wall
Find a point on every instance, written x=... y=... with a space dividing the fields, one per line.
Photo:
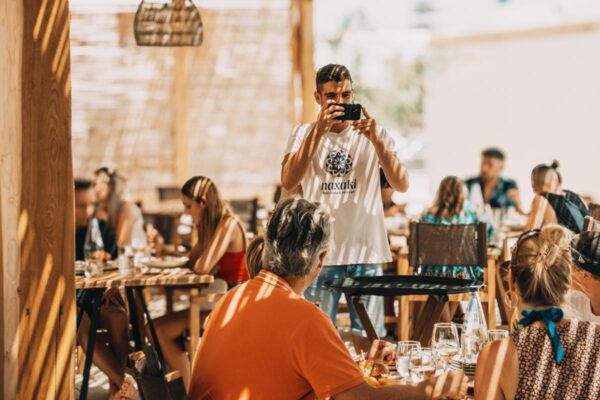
x=537 y=98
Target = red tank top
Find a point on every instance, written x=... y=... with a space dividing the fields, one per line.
x=232 y=267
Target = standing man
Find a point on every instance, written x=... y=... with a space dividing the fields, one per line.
x=495 y=190
x=337 y=163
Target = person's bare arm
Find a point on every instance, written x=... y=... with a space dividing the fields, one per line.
x=538 y=216
x=295 y=165
x=497 y=372
x=515 y=196
x=395 y=172
x=451 y=385
x=217 y=246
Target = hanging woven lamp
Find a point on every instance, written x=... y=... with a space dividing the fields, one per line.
x=168 y=23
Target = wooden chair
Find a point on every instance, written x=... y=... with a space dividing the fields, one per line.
x=595 y=211
x=152 y=387
x=448 y=245
x=198 y=299
x=591 y=225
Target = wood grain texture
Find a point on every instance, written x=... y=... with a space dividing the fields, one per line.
x=11 y=35
x=173 y=277
x=46 y=284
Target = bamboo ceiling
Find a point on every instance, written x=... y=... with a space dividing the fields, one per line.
x=239 y=90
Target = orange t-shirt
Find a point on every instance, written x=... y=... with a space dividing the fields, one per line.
x=263 y=341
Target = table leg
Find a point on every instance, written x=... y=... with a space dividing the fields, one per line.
x=134 y=319
x=431 y=313
x=89 y=354
x=359 y=306
x=140 y=294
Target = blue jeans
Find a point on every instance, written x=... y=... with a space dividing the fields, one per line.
x=328 y=300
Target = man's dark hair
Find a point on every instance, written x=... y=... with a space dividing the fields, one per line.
x=493 y=152
x=332 y=73
x=82 y=184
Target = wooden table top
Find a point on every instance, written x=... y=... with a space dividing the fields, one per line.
x=171 y=277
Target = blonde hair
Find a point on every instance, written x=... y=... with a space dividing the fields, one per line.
x=541 y=266
x=449 y=198
x=254 y=255
x=216 y=209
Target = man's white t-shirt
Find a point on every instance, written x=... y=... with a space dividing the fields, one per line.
x=344 y=175
x=578 y=306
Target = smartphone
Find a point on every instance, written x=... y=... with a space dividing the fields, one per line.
x=351 y=112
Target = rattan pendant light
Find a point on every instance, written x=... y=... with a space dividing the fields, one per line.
x=168 y=23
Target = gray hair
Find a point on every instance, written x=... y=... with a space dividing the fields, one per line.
x=297 y=234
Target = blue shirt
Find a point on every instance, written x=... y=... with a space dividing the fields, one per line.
x=499 y=197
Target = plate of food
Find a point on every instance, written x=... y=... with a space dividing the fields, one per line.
x=165 y=262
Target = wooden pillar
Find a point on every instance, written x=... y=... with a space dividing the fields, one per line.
x=36 y=201
x=303 y=69
x=180 y=122
x=11 y=36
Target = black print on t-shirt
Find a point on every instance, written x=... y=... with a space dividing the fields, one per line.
x=338 y=163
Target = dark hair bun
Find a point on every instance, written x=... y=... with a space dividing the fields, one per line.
x=555 y=165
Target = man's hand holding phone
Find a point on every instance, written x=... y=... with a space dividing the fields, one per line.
x=367 y=126
x=327 y=117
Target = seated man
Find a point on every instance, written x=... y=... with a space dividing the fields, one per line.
x=583 y=300
x=109 y=355
x=265 y=341
x=494 y=189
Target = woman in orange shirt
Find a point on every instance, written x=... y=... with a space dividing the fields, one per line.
x=219 y=251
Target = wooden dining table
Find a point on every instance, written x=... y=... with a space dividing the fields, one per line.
x=92 y=289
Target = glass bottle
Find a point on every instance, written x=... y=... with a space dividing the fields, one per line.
x=93 y=249
x=474 y=329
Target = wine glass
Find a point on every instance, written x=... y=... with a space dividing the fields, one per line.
x=445 y=343
x=497 y=334
x=403 y=350
x=422 y=364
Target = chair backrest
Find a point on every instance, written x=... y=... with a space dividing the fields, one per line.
x=595 y=211
x=591 y=225
x=168 y=387
x=447 y=245
x=246 y=212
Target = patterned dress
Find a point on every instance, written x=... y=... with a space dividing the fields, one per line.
x=577 y=377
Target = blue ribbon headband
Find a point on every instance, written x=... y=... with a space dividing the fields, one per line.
x=549 y=316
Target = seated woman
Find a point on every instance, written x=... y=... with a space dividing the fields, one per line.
x=583 y=300
x=219 y=251
x=449 y=208
x=548 y=356
x=552 y=204
x=115 y=207
x=110 y=355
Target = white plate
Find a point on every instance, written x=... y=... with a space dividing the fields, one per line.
x=165 y=262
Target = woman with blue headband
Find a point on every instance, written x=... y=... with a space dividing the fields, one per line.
x=547 y=356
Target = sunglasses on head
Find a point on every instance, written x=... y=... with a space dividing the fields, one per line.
x=523 y=237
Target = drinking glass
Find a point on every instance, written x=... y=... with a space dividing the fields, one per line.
x=403 y=350
x=445 y=343
x=422 y=364
x=497 y=334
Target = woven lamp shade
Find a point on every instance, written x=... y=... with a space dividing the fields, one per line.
x=176 y=23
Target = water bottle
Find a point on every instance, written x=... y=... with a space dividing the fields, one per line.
x=93 y=249
x=474 y=330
